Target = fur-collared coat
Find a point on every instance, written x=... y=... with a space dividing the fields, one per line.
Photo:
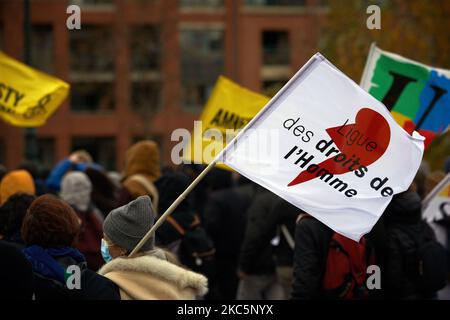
x=152 y=278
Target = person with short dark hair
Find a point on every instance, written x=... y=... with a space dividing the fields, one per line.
x=406 y=232
x=35 y=173
x=50 y=229
x=225 y=221
x=257 y=265
x=12 y=213
x=104 y=192
x=16 y=275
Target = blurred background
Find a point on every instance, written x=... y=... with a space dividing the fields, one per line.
x=142 y=68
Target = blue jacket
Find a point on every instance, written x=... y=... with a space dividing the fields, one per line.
x=53 y=181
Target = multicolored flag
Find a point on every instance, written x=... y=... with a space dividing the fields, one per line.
x=417 y=95
x=328 y=147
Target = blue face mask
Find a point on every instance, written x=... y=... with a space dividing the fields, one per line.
x=105 y=251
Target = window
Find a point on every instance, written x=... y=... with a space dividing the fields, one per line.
x=92 y=69
x=97 y=2
x=201 y=3
x=275 y=48
x=145 y=48
x=145 y=96
x=42 y=51
x=102 y=150
x=275 y=2
x=102 y=3
x=91 y=49
x=276 y=67
x=46 y=152
x=271 y=87
x=92 y=96
x=202 y=61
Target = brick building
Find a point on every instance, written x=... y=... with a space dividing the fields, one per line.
x=142 y=68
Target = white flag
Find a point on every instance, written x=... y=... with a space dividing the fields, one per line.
x=328 y=147
x=437 y=203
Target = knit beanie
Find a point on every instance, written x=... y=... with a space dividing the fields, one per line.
x=127 y=225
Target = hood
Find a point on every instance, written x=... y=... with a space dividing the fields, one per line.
x=405 y=207
x=143 y=158
x=170 y=186
x=161 y=269
x=76 y=190
x=17 y=181
x=101 y=183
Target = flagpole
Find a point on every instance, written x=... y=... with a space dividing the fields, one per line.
x=173 y=206
x=435 y=190
x=221 y=156
x=365 y=74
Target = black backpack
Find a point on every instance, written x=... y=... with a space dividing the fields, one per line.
x=195 y=249
x=429 y=263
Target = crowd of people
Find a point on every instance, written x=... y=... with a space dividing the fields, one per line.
x=229 y=239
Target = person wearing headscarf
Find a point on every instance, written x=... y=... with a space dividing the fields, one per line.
x=17 y=181
x=142 y=169
x=76 y=191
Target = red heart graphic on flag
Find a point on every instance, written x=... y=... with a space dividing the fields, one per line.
x=366 y=139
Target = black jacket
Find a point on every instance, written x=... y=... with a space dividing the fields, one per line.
x=283 y=214
x=92 y=286
x=224 y=220
x=403 y=217
x=257 y=255
x=312 y=240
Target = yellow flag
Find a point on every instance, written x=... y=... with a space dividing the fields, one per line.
x=229 y=108
x=27 y=96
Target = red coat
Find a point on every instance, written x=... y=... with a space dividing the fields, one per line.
x=89 y=239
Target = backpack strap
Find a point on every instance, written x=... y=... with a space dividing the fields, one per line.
x=287 y=236
x=176 y=225
x=354 y=274
x=195 y=223
x=148 y=186
x=411 y=235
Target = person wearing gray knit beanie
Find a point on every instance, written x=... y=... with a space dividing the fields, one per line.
x=127 y=225
x=150 y=274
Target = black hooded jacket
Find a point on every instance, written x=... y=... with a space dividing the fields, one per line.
x=257 y=255
x=402 y=218
x=170 y=186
